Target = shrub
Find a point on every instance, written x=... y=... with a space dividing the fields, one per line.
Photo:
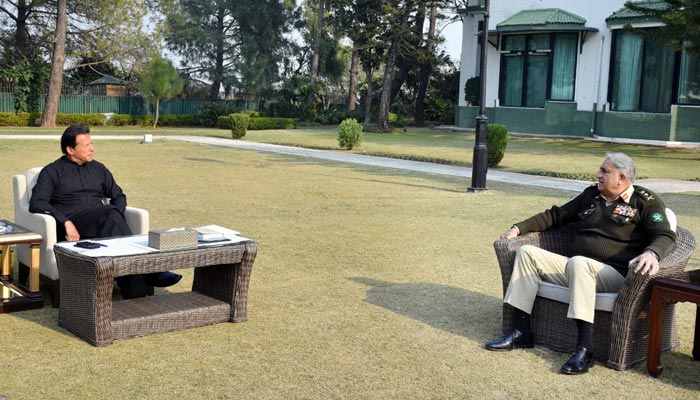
x=176 y=120
x=119 y=120
x=209 y=113
x=472 y=91
x=82 y=119
x=256 y=124
x=349 y=134
x=12 y=119
x=496 y=143
x=223 y=122
x=239 y=125
x=144 y=120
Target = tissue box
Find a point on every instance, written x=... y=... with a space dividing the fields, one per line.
x=172 y=239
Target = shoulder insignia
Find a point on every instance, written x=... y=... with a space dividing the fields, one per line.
x=657 y=217
x=645 y=194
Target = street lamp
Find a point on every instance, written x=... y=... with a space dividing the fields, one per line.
x=480 y=157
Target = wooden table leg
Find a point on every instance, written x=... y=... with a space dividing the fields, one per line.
x=654 y=365
x=696 y=342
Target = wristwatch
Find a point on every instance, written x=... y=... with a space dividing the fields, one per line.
x=654 y=254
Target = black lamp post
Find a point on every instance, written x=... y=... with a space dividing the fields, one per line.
x=480 y=158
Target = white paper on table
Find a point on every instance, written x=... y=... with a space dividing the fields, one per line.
x=124 y=246
x=137 y=244
x=227 y=233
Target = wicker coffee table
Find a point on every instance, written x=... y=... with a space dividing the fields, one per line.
x=219 y=290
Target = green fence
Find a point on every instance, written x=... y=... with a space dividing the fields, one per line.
x=89 y=104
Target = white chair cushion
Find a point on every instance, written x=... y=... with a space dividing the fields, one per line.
x=603 y=301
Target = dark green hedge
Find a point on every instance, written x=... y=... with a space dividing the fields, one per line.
x=271 y=123
x=259 y=123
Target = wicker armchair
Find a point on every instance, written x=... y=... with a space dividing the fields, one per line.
x=620 y=334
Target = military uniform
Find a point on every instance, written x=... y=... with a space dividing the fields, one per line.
x=609 y=233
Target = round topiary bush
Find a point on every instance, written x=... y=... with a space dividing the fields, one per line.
x=239 y=125
x=496 y=143
x=349 y=134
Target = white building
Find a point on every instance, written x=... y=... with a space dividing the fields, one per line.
x=569 y=68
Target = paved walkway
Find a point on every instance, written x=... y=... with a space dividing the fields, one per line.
x=657 y=185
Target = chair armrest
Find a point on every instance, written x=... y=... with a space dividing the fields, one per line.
x=555 y=240
x=635 y=293
x=138 y=220
x=43 y=224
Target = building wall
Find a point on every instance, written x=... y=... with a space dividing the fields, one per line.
x=593 y=63
x=589 y=113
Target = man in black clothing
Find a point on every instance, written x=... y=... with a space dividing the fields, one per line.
x=72 y=189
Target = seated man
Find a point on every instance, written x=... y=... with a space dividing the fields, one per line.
x=71 y=189
x=618 y=227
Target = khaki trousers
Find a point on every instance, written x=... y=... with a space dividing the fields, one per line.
x=583 y=276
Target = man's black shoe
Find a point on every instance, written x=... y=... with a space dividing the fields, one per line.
x=514 y=339
x=579 y=363
x=163 y=279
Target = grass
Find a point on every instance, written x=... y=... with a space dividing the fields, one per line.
x=569 y=158
x=369 y=283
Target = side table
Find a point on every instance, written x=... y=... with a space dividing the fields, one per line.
x=669 y=289
x=15 y=296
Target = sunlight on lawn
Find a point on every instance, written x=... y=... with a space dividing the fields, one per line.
x=369 y=283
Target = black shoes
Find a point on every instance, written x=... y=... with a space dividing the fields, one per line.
x=513 y=339
x=132 y=286
x=579 y=363
x=136 y=286
x=162 y=279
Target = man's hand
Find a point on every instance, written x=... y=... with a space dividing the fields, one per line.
x=72 y=234
x=511 y=233
x=645 y=263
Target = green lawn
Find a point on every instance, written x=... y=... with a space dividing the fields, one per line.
x=546 y=156
x=369 y=283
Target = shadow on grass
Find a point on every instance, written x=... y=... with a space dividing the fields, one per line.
x=451 y=309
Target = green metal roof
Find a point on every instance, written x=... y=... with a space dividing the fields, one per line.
x=627 y=16
x=108 y=80
x=544 y=19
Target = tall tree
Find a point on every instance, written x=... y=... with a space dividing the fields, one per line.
x=58 y=59
x=681 y=19
x=361 y=22
x=426 y=65
x=160 y=81
x=262 y=44
x=209 y=35
x=317 y=42
x=399 y=17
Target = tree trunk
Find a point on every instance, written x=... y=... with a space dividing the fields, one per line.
x=22 y=51
x=426 y=68
x=406 y=62
x=317 y=49
x=317 y=42
x=385 y=100
x=368 y=102
x=155 y=119
x=58 y=59
x=219 y=63
x=354 y=69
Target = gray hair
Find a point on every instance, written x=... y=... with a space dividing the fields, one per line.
x=623 y=163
